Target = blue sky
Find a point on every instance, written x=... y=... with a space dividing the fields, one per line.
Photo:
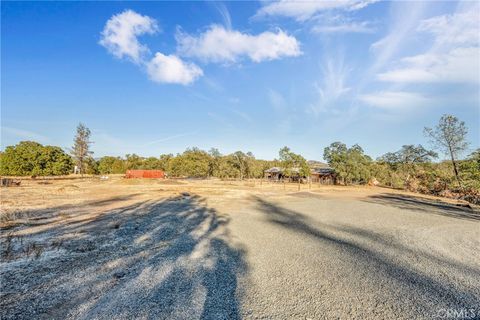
x=158 y=77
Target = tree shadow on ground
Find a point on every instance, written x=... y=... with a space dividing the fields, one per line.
x=37 y=217
x=419 y=204
x=154 y=259
x=371 y=254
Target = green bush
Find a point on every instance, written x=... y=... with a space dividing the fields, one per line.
x=30 y=158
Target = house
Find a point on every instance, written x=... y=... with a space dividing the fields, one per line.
x=277 y=174
x=324 y=175
x=274 y=173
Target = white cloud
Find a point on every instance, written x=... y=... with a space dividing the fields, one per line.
x=460 y=65
x=120 y=38
x=304 y=10
x=395 y=100
x=332 y=87
x=462 y=28
x=355 y=27
x=121 y=31
x=171 y=69
x=453 y=57
x=218 y=44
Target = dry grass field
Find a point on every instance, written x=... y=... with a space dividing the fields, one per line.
x=190 y=249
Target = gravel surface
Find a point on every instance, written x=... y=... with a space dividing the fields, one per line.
x=251 y=255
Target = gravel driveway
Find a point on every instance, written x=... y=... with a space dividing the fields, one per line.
x=267 y=256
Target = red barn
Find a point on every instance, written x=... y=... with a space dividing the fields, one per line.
x=156 y=174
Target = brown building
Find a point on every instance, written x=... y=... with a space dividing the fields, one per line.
x=277 y=174
x=323 y=175
x=274 y=173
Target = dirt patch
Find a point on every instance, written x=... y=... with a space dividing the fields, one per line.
x=68 y=187
x=227 y=250
x=307 y=195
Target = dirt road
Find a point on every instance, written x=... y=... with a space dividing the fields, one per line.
x=123 y=250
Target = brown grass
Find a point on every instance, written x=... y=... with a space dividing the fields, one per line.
x=61 y=200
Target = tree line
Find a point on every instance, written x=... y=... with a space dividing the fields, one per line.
x=412 y=167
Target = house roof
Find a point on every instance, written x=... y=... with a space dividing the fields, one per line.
x=280 y=170
x=274 y=170
x=326 y=170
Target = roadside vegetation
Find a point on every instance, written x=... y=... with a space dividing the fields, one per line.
x=413 y=167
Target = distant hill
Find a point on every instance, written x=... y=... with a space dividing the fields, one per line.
x=317 y=164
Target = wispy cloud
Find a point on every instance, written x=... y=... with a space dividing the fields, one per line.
x=395 y=100
x=176 y=136
x=277 y=100
x=460 y=28
x=224 y=13
x=453 y=57
x=346 y=27
x=220 y=119
x=304 y=10
x=406 y=16
x=234 y=100
x=332 y=87
x=457 y=65
x=218 y=44
x=25 y=134
x=243 y=115
x=106 y=138
x=284 y=115
x=404 y=19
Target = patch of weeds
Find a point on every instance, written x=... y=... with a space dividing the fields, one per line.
x=84 y=246
x=34 y=249
x=64 y=215
x=7 y=253
x=8 y=216
x=37 y=251
x=57 y=243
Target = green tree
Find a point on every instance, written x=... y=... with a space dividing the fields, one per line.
x=105 y=165
x=191 y=163
x=240 y=163
x=406 y=160
x=293 y=164
x=133 y=161
x=470 y=170
x=81 y=147
x=250 y=165
x=151 y=163
x=91 y=166
x=226 y=168
x=54 y=161
x=214 y=165
x=351 y=164
x=32 y=158
x=164 y=162
x=408 y=155
x=449 y=136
